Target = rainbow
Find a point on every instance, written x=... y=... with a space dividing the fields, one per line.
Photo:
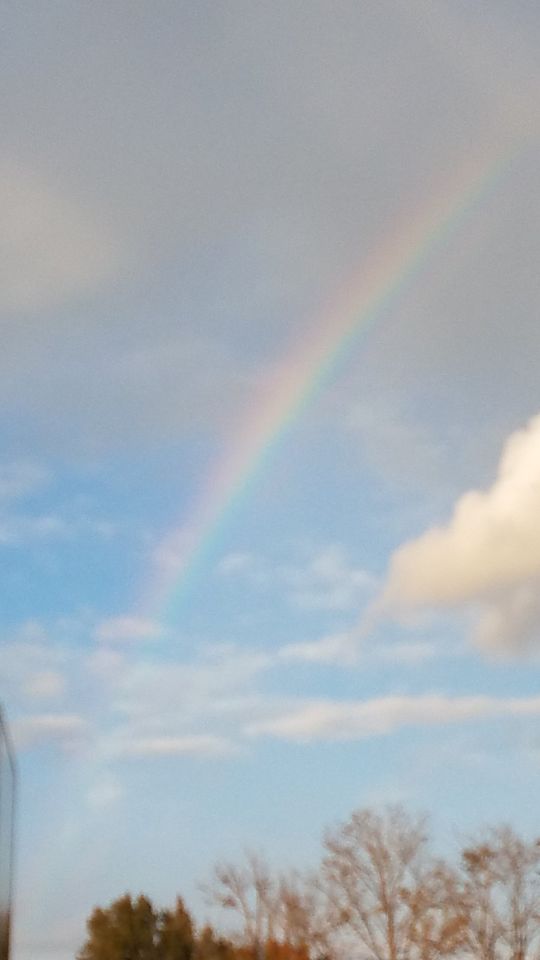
x=189 y=549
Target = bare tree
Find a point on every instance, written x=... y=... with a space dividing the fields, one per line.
x=518 y=865
x=372 y=872
x=438 y=913
x=484 y=926
x=251 y=891
x=302 y=914
x=288 y=909
x=502 y=889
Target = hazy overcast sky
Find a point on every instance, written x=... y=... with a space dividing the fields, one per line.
x=241 y=597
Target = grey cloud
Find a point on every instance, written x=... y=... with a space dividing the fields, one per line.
x=510 y=624
x=108 y=391
x=249 y=175
x=51 y=250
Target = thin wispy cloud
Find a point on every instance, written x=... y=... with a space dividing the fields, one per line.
x=322 y=579
x=334 y=720
x=44 y=685
x=127 y=630
x=22 y=478
x=337 y=648
x=67 y=730
x=203 y=745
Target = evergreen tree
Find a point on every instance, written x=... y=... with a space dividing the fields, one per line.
x=127 y=930
x=176 y=937
x=210 y=946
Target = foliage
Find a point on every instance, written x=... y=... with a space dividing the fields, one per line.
x=133 y=930
x=176 y=934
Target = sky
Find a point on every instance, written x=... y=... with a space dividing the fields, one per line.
x=270 y=433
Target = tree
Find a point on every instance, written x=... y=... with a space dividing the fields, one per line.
x=518 y=865
x=210 y=946
x=176 y=934
x=281 y=914
x=133 y=930
x=372 y=873
x=302 y=914
x=438 y=913
x=502 y=892
x=127 y=930
x=250 y=891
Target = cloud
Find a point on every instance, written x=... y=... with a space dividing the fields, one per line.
x=52 y=248
x=32 y=664
x=511 y=622
x=104 y=793
x=346 y=649
x=64 y=729
x=326 y=580
x=45 y=684
x=17 y=530
x=20 y=478
x=488 y=552
x=337 y=648
x=122 y=629
x=171 y=746
x=338 y=720
x=170 y=693
x=404 y=652
x=403 y=451
x=114 y=701
x=234 y=563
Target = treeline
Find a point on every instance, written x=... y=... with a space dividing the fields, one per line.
x=131 y=928
x=379 y=893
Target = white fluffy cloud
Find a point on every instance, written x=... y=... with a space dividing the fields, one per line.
x=488 y=552
x=339 y=720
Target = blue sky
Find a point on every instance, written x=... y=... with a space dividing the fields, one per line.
x=184 y=188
